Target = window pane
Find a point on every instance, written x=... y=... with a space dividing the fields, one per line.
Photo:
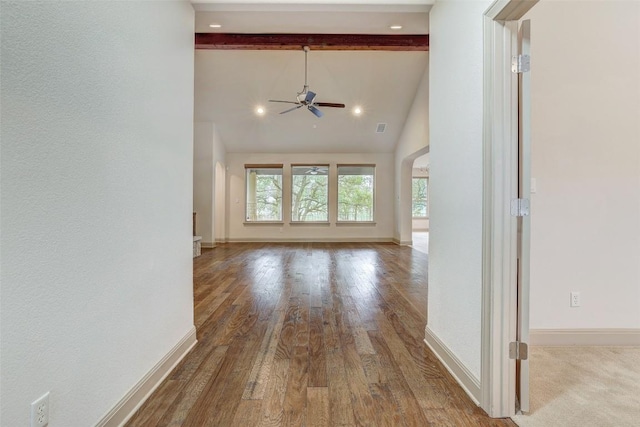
x=419 y=197
x=264 y=194
x=309 y=193
x=355 y=193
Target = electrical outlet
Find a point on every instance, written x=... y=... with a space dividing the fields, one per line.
x=40 y=411
x=575 y=299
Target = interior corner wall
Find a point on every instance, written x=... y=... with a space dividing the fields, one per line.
x=96 y=199
x=585 y=214
x=208 y=150
x=380 y=231
x=413 y=142
x=203 y=177
x=456 y=120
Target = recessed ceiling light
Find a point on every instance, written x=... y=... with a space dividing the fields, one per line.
x=215 y=25
x=260 y=111
x=357 y=111
x=395 y=27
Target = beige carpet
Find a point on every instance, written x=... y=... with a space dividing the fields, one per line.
x=583 y=387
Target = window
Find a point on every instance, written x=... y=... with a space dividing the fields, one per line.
x=264 y=192
x=419 y=197
x=355 y=193
x=309 y=193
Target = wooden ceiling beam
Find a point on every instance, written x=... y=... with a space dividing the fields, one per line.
x=231 y=41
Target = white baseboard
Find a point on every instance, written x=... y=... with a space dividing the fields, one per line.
x=208 y=245
x=314 y=240
x=131 y=401
x=585 y=337
x=402 y=242
x=469 y=383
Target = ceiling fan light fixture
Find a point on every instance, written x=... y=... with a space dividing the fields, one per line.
x=260 y=111
x=357 y=110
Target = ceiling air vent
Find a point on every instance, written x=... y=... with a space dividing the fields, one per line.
x=381 y=127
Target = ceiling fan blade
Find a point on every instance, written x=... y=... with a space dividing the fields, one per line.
x=309 y=98
x=315 y=111
x=291 y=109
x=286 y=102
x=329 y=104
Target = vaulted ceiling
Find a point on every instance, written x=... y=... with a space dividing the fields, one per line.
x=231 y=84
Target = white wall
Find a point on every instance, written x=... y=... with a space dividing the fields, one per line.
x=586 y=160
x=96 y=268
x=208 y=150
x=381 y=231
x=413 y=142
x=455 y=238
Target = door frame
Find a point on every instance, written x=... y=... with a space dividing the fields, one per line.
x=500 y=185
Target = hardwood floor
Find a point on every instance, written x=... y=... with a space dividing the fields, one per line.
x=310 y=334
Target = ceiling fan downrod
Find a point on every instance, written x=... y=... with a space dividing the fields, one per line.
x=305 y=89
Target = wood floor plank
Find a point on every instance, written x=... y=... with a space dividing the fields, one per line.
x=261 y=370
x=209 y=368
x=407 y=403
x=273 y=403
x=318 y=407
x=317 y=352
x=306 y=334
x=341 y=410
x=152 y=410
x=295 y=399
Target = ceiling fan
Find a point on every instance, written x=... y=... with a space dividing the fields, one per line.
x=315 y=170
x=306 y=98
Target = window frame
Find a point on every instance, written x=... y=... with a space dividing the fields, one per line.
x=373 y=196
x=247 y=169
x=291 y=192
x=426 y=178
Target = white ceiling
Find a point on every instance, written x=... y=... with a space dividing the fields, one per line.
x=230 y=84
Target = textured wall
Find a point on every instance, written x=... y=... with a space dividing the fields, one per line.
x=97 y=119
x=455 y=238
x=585 y=220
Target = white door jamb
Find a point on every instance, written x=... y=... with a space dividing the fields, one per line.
x=499 y=235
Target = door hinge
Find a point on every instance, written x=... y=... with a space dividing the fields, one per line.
x=518 y=350
x=520 y=64
x=520 y=207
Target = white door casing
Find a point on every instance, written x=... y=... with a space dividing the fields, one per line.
x=524 y=222
x=500 y=186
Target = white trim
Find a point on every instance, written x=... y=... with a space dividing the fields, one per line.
x=499 y=230
x=585 y=337
x=208 y=245
x=312 y=240
x=469 y=383
x=402 y=242
x=129 y=404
